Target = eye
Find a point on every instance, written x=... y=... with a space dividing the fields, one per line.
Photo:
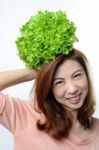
x=77 y=76
x=58 y=82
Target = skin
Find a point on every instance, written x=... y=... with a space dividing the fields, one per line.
x=70 y=87
x=13 y=77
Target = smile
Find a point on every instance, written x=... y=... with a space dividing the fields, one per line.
x=74 y=100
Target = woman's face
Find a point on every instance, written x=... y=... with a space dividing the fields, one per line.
x=70 y=85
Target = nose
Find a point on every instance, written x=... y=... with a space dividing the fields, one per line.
x=72 y=88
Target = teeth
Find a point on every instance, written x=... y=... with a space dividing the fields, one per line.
x=73 y=97
x=74 y=100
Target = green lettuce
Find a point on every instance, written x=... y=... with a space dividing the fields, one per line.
x=44 y=36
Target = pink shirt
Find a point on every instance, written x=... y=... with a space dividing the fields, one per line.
x=20 y=118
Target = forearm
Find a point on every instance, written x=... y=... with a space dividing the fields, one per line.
x=10 y=78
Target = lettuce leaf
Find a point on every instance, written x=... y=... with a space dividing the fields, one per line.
x=44 y=36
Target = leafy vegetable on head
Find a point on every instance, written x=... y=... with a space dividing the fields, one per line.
x=44 y=36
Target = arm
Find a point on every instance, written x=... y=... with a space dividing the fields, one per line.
x=10 y=78
x=12 y=109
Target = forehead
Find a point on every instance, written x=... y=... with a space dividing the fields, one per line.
x=68 y=67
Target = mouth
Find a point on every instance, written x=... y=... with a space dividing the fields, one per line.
x=74 y=100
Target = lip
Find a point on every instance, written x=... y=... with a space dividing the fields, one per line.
x=74 y=100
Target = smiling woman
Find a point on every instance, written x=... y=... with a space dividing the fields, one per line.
x=66 y=87
x=60 y=114
x=70 y=85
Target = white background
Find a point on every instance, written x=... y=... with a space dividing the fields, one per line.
x=14 y=13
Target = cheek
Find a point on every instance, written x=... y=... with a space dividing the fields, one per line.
x=84 y=85
x=58 y=92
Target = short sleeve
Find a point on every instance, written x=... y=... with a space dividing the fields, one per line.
x=14 y=113
x=2 y=103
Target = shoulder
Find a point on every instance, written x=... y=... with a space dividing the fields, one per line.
x=14 y=103
x=28 y=106
x=14 y=109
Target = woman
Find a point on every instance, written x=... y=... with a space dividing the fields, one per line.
x=60 y=115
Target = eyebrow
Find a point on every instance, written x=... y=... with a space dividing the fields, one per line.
x=80 y=70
